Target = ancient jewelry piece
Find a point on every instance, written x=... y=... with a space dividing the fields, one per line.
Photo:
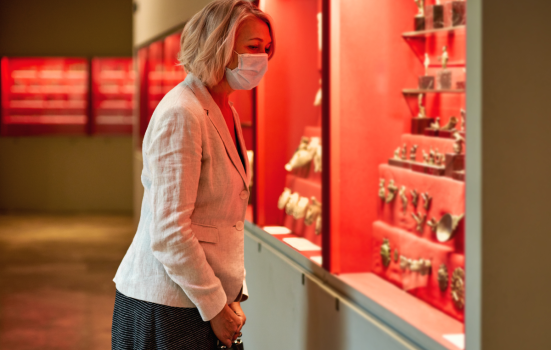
x=404 y=198
x=404 y=155
x=382 y=191
x=450 y=125
x=290 y=206
x=300 y=208
x=427 y=199
x=422 y=266
x=312 y=212
x=432 y=223
x=458 y=288
x=385 y=252
x=392 y=189
x=414 y=198
x=443 y=277
x=284 y=198
x=396 y=255
x=413 y=153
x=446 y=226
x=420 y=220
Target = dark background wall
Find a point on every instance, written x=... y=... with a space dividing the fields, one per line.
x=66 y=174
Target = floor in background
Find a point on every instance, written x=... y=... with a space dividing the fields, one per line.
x=56 y=289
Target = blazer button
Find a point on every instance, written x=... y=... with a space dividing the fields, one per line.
x=239 y=225
x=244 y=194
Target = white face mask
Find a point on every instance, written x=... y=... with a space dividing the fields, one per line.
x=250 y=70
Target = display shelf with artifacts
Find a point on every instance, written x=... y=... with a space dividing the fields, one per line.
x=288 y=130
x=45 y=96
x=112 y=96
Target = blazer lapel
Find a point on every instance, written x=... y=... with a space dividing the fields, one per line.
x=215 y=116
x=242 y=144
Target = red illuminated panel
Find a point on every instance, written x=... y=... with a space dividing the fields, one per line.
x=112 y=95
x=173 y=73
x=43 y=96
x=155 y=69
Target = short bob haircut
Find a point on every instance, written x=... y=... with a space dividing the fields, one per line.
x=207 y=41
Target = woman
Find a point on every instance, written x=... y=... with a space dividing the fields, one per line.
x=182 y=280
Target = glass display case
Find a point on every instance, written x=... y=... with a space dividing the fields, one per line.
x=43 y=96
x=382 y=207
x=112 y=96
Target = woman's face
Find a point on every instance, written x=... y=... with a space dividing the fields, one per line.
x=253 y=36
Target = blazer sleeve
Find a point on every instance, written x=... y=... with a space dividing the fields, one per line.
x=174 y=152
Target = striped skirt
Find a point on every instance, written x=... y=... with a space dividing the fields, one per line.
x=141 y=325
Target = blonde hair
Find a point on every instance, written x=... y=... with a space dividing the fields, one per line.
x=207 y=41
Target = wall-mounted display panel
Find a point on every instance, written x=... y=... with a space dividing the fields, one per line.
x=112 y=96
x=44 y=96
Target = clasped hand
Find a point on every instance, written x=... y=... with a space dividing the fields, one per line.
x=228 y=323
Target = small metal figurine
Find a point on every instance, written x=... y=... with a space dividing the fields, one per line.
x=426 y=63
x=426 y=159
x=445 y=57
x=385 y=252
x=433 y=224
x=404 y=198
x=458 y=288
x=459 y=141
x=438 y=158
x=463 y=118
x=427 y=199
x=397 y=153
x=396 y=256
x=435 y=125
x=382 y=192
x=431 y=157
x=426 y=266
x=443 y=278
x=413 y=153
x=450 y=125
x=392 y=189
x=422 y=113
x=404 y=152
x=420 y=8
x=414 y=198
x=420 y=220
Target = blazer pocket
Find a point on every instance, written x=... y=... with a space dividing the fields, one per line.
x=205 y=233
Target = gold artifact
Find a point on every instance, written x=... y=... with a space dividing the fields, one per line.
x=396 y=255
x=432 y=223
x=300 y=208
x=427 y=199
x=458 y=288
x=445 y=57
x=426 y=63
x=317 y=159
x=422 y=113
x=446 y=226
x=463 y=118
x=432 y=155
x=422 y=266
x=382 y=192
x=392 y=189
x=425 y=157
x=318 y=224
x=413 y=153
x=450 y=125
x=443 y=277
x=304 y=153
x=435 y=125
x=290 y=206
x=404 y=155
x=284 y=198
x=458 y=145
x=420 y=220
x=420 y=8
x=385 y=252
x=404 y=198
x=312 y=212
x=414 y=198
x=397 y=153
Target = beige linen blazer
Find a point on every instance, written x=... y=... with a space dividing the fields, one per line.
x=188 y=248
